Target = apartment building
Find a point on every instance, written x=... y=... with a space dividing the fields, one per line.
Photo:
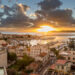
x=37 y=49
x=61 y=66
x=69 y=56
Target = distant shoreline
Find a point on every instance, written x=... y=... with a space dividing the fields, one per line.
x=53 y=33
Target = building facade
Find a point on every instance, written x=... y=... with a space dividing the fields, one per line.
x=3 y=58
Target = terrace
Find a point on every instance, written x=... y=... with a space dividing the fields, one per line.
x=3 y=71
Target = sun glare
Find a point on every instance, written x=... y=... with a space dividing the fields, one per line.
x=45 y=29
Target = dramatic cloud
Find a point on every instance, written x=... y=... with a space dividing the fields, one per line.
x=16 y=16
x=50 y=11
x=61 y=16
x=49 y=4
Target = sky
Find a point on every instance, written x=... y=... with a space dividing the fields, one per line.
x=33 y=4
x=26 y=15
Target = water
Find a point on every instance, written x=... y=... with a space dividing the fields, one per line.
x=63 y=38
x=58 y=37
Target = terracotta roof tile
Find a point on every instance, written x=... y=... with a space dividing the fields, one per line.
x=62 y=62
x=52 y=66
x=42 y=54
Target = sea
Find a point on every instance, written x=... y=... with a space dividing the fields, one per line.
x=62 y=36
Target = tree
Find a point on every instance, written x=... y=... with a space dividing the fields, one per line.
x=65 y=48
x=21 y=64
x=11 y=72
x=12 y=57
x=28 y=59
x=71 y=44
x=60 y=57
x=56 y=52
x=29 y=71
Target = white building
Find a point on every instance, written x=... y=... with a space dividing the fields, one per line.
x=37 y=49
x=42 y=57
x=69 y=55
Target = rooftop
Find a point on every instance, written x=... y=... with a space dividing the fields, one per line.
x=42 y=54
x=3 y=71
x=33 y=65
x=52 y=66
x=63 y=53
x=62 y=62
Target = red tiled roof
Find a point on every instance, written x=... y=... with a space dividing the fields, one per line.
x=62 y=62
x=33 y=65
x=42 y=54
x=68 y=52
x=52 y=66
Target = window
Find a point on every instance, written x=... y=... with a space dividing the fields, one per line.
x=73 y=58
x=73 y=53
x=62 y=67
x=68 y=58
x=73 y=62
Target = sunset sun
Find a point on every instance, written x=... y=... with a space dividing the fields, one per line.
x=45 y=29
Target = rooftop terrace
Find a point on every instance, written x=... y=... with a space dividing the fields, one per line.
x=3 y=71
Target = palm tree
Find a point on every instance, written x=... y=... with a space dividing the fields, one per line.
x=56 y=52
x=71 y=44
x=65 y=48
